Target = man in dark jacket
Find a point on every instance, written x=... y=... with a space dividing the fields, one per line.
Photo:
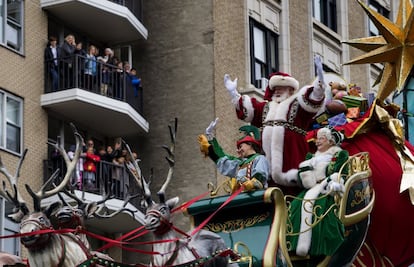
x=52 y=55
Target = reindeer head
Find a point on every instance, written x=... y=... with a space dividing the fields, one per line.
x=38 y=219
x=73 y=216
x=158 y=215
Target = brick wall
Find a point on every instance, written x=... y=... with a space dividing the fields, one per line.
x=23 y=76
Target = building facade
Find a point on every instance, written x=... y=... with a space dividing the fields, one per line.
x=181 y=51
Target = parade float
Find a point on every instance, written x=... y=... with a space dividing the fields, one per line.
x=237 y=228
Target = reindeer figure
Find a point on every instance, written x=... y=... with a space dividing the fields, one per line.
x=203 y=245
x=45 y=249
x=74 y=216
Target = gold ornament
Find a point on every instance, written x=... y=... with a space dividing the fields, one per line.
x=394 y=47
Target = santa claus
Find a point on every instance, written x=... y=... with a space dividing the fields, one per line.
x=285 y=115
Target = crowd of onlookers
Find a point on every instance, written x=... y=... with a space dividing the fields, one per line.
x=99 y=169
x=71 y=65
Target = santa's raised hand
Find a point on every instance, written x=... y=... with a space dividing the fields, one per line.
x=231 y=86
x=319 y=85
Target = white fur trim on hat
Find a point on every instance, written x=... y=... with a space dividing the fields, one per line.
x=280 y=80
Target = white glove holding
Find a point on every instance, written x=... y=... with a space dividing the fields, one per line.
x=210 y=129
x=319 y=69
x=319 y=84
x=335 y=185
x=231 y=87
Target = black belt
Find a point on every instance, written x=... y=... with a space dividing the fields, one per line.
x=287 y=125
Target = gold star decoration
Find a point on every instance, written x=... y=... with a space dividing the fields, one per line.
x=394 y=47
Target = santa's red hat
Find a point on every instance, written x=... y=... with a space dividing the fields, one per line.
x=280 y=79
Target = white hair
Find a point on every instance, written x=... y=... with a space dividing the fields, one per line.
x=331 y=134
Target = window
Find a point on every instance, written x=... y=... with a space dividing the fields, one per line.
x=263 y=52
x=11 y=108
x=11 y=24
x=325 y=12
x=8 y=227
x=373 y=31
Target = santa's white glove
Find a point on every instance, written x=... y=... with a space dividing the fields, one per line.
x=231 y=87
x=319 y=69
x=319 y=84
x=210 y=129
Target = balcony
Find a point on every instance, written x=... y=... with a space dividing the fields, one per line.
x=107 y=102
x=119 y=188
x=97 y=18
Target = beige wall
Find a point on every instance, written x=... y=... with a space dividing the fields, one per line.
x=230 y=58
x=23 y=75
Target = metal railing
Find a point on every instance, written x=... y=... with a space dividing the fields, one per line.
x=107 y=80
x=110 y=178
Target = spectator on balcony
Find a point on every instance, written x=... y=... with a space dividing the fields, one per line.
x=104 y=167
x=89 y=167
x=119 y=81
x=136 y=82
x=118 y=172
x=108 y=56
x=105 y=66
x=127 y=67
x=80 y=54
x=90 y=68
x=89 y=143
x=52 y=54
x=68 y=51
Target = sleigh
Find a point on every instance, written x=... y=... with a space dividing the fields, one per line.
x=254 y=224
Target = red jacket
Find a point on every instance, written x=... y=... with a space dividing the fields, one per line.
x=89 y=165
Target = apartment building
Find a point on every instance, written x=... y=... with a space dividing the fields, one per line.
x=181 y=51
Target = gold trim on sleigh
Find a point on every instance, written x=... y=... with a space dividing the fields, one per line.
x=358 y=171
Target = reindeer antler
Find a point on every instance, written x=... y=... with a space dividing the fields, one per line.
x=128 y=198
x=70 y=166
x=170 y=159
x=15 y=198
x=135 y=171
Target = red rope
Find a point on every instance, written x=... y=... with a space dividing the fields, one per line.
x=109 y=245
x=217 y=210
x=183 y=206
x=119 y=243
x=190 y=202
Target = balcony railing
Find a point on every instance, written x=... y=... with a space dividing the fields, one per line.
x=109 y=179
x=108 y=80
x=135 y=6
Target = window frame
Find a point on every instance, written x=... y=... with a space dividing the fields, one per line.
x=326 y=12
x=270 y=59
x=7 y=227
x=375 y=5
x=5 y=122
x=12 y=27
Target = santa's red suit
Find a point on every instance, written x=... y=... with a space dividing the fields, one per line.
x=284 y=124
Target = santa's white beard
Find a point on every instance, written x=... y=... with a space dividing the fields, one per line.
x=280 y=98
